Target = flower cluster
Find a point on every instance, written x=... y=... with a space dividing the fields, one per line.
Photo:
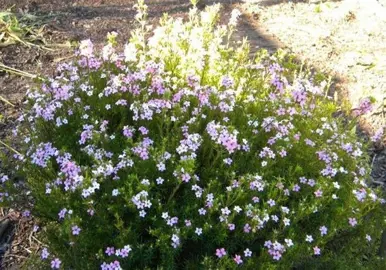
x=183 y=150
x=275 y=249
x=365 y=106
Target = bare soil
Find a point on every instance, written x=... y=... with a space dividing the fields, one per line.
x=345 y=38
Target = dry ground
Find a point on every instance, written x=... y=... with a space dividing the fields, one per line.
x=345 y=38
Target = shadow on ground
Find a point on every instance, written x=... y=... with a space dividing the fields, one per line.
x=267 y=3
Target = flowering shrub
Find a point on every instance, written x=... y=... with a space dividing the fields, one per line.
x=182 y=153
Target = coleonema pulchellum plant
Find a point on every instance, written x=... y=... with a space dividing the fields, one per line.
x=180 y=151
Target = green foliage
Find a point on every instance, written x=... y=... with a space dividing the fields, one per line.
x=183 y=153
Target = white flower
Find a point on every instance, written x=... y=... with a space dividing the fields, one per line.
x=271 y=202
x=175 y=238
x=237 y=209
x=225 y=211
x=336 y=185
x=107 y=52
x=128 y=248
x=159 y=180
x=234 y=17
x=165 y=215
x=202 y=211
x=285 y=209
x=198 y=231
x=247 y=253
x=86 y=48
x=309 y=238
x=323 y=230
x=289 y=242
x=130 y=52
x=145 y=182
x=368 y=237
x=286 y=221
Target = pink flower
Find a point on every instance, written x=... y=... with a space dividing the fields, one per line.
x=365 y=106
x=316 y=251
x=91 y=212
x=352 y=221
x=185 y=177
x=45 y=254
x=55 y=263
x=128 y=132
x=226 y=81
x=378 y=135
x=271 y=202
x=323 y=230
x=110 y=251
x=238 y=259
x=318 y=193
x=220 y=252
x=143 y=130
x=247 y=228
x=75 y=230
x=26 y=213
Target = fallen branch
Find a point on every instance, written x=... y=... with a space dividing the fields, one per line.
x=37 y=240
x=18 y=72
x=10 y=148
x=378 y=182
x=6 y=101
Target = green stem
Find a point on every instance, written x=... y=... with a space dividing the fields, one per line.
x=173 y=193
